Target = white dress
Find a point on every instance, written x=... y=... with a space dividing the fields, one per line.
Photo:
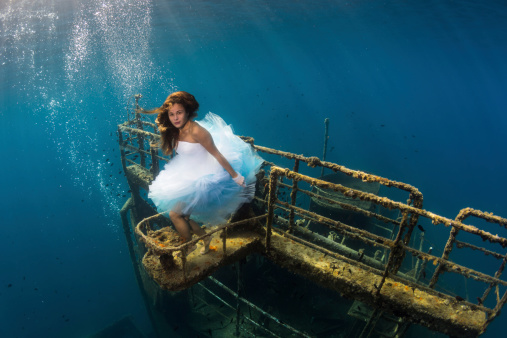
x=194 y=183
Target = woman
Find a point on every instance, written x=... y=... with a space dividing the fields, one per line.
x=212 y=175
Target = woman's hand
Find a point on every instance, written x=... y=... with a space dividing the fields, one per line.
x=240 y=180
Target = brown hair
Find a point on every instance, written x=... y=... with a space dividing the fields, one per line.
x=168 y=133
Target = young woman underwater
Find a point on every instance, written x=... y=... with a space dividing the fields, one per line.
x=212 y=175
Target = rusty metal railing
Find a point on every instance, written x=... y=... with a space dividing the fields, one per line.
x=137 y=153
x=146 y=225
x=398 y=247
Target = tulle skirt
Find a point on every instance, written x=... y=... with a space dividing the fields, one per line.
x=194 y=183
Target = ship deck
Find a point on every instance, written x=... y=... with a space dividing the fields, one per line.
x=374 y=271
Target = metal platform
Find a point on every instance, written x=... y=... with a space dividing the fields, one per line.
x=176 y=273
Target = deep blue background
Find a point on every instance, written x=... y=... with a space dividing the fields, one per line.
x=415 y=91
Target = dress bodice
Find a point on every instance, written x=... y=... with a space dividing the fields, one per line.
x=189 y=148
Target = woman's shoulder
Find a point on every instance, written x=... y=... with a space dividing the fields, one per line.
x=198 y=132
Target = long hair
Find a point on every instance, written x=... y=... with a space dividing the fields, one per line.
x=168 y=133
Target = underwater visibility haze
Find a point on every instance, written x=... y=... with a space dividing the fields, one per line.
x=415 y=91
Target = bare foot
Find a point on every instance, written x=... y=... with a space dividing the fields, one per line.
x=188 y=250
x=206 y=242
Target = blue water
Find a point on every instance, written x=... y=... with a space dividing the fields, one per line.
x=415 y=91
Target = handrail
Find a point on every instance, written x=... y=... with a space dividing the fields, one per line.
x=397 y=246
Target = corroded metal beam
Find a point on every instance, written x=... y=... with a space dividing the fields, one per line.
x=438 y=312
x=390 y=204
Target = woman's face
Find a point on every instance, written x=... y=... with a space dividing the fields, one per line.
x=177 y=115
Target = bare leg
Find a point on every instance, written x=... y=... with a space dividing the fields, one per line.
x=182 y=226
x=195 y=227
x=200 y=232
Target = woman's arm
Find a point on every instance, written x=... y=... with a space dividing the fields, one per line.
x=203 y=136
